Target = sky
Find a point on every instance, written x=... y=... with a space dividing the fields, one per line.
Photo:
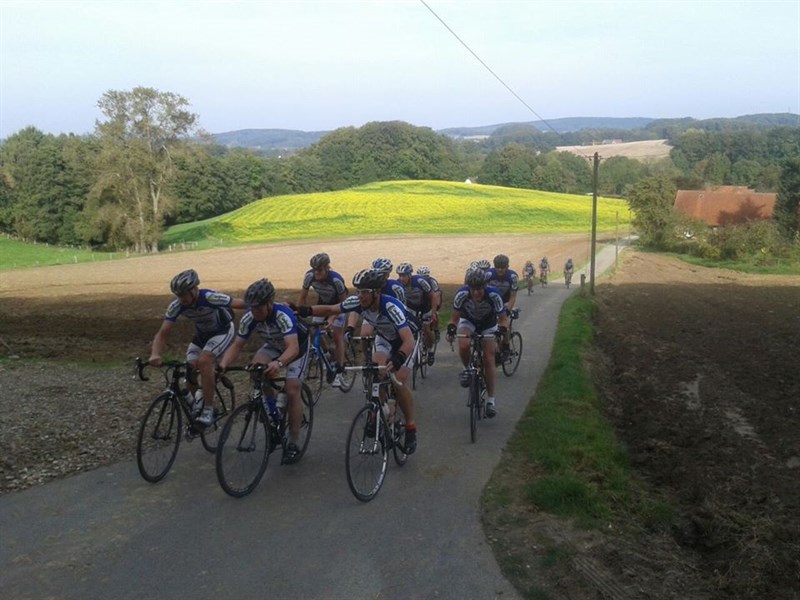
x=321 y=65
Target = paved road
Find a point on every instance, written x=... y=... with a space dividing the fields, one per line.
x=301 y=534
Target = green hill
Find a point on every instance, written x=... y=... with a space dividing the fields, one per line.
x=421 y=207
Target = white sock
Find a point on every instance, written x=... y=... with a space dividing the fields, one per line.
x=490 y=400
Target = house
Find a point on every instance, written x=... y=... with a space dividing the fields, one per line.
x=725 y=205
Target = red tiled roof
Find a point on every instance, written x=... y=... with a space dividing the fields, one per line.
x=725 y=205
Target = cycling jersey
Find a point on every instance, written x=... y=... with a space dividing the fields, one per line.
x=395 y=289
x=506 y=283
x=329 y=290
x=482 y=314
x=568 y=266
x=211 y=314
x=529 y=271
x=432 y=282
x=417 y=294
x=280 y=323
x=389 y=318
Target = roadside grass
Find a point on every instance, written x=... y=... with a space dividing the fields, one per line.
x=563 y=459
x=15 y=254
x=767 y=266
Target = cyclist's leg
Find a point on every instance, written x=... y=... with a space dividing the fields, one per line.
x=206 y=359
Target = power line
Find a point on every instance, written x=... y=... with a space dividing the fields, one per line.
x=488 y=68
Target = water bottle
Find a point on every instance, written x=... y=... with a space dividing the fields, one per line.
x=280 y=402
x=271 y=406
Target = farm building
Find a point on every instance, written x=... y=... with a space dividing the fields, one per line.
x=725 y=205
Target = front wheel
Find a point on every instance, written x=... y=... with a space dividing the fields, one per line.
x=514 y=354
x=159 y=438
x=367 y=455
x=243 y=450
x=474 y=401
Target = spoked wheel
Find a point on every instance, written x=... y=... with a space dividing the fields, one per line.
x=243 y=450
x=514 y=354
x=367 y=456
x=307 y=423
x=474 y=408
x=398 y=428
x=159 y=438
x=315 y=377
x=226 y=402
x=348 y=377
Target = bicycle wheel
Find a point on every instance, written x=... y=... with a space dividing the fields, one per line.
x=243 y=450
x=307 y=423
x=315 y=376
x=366 y=457
x=398 y=430
x=514 y=354
x=348 y=377
x=474 y=408
x=159 y=438
x=226 y=402
x=423 y=359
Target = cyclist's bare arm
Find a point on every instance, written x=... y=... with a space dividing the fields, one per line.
x=160 y=343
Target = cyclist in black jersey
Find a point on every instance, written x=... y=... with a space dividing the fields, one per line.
x=213 y=319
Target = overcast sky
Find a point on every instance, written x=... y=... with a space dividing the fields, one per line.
x=319 y=65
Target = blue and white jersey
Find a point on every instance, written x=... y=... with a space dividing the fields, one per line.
x=211 y=314
x=394 y=289
x=417 y=294
x=281 y=323
x=432 y=282
x=506 y=284
x=329 y=290
x=482 y=314
x=388 y=319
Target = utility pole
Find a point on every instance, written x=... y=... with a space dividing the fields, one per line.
x=594 y=221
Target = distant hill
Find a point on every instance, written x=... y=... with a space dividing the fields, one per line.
x=275 y=141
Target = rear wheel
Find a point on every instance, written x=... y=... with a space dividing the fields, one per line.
x=243 y=451
x=514 y=354
x=315 y=377
x=398 y=432
x=367 y=456
x=307 y=423
x=159 y=438
x=474 y=408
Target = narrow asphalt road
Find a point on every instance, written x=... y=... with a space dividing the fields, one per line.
x=301 y=534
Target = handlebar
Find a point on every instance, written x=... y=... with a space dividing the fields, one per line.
x=140 y=365
x=375 y=369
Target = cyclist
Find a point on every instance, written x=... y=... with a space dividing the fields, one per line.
x=506 y=281
x=478 y=308
x=482 y=264
x=431 y=318
x=419 y=298
x=530 y=272
x=214 y=330
x=569 y=267
x=391 y=287
x=285 y=344
x=544 y=269
x=331 y=289
x=394 y=343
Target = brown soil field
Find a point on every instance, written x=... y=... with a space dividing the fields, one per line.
x=646 y=150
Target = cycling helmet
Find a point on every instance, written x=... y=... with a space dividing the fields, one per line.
x=320 y=260
x=405 y=269
x=501 y=261
x=475 y=278
x=384 y=265
x=424 y=271
x=259 y=292
x=369 y=279
x=484 y=264
x=473 y=265
x=184 y=281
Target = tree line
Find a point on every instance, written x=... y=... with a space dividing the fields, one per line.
x=149 y=165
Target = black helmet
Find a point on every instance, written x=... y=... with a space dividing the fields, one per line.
x=405 y=269
x=475 y=277
x=184 y=281
x=369 y=279
x=259 y=292
x=320 y=260
x=501 y=261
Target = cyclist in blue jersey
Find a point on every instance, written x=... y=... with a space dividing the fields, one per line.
x=391 y=287
x=507 y=281
x=419 y=299
x=478 y=308
x=432 y=316
x=394 y=344
x=212 y=315
x=285 y=345
x=331 y=289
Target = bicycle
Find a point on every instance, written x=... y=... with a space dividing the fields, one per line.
x=510 y=360
x=322 y=368
x=366 y=349
x=476 y=396
x=567 y=278
x=378 y=427
x=543 y=277
x=529 y=283
x=420 y=364
x=159 y=433
x=256 y=429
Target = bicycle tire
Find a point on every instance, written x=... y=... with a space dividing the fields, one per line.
x=348 y=377
x=514 y=354
x=423 y=359
x=307 y=425
x=366 y=457
x=159 y=437
x=316 y=376
x=474 y=408
x=226 y=403
x=398 y=429
x=243 y=450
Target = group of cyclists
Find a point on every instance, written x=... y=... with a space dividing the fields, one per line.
x=544 y=271
x=398 y=314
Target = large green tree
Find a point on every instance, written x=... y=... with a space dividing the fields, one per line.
x=787 y=205
x=142 y=130
x=651 y=201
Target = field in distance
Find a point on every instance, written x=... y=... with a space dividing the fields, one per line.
x=645 y=151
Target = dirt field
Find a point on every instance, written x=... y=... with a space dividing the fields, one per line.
x=646 y=150
x=698 y=368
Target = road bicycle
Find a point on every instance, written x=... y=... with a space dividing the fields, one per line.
x=377 y=428
x=366 y=350
x=476 y=376
x=162 y=424
x=420 y=363
x=567 y=278
x=509 y=360
x=322 y=367
x=543 y=277
x=529 y=283
x=256 y=429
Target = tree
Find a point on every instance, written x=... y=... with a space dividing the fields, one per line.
x=651 y=201
x=142 y=130
x=787 y=205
